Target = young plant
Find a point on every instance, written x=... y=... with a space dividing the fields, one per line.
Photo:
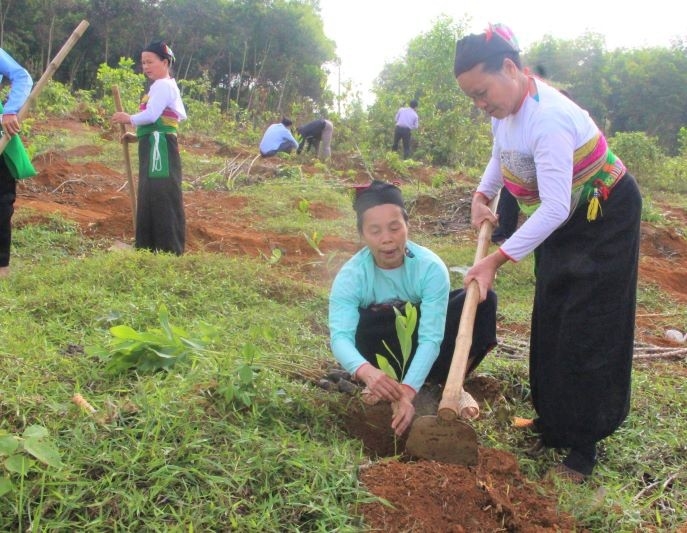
x=274 y=257
x=405 y=327
x=152 y=350
x=239 y=387
x=16 y=453
x=304 y=206
x=314 y=241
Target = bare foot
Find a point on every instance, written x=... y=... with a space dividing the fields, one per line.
x=4 y=272
x=468 y=407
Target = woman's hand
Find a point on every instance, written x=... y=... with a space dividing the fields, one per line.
x=479 y=211
x=484 y=272
x=403 y=412
x=379 y=383
x=120 y=117
x=10 y=123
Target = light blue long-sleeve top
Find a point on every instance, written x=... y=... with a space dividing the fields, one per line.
x=422 y=279
x=274 y=136
x=20 y=81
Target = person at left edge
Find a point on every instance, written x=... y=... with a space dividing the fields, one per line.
x=14 y=163
x=278 y=138
x=388 y=272
x=160 y=218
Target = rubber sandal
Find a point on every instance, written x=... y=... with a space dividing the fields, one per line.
x=467 y=406
x=565 y=473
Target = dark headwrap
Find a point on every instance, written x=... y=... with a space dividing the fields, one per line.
x=162 y=49
x=376 y=193
x=477 y=48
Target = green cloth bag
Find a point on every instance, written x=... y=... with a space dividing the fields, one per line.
x=17 y=158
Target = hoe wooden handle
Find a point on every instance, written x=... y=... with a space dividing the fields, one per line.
x=45 y=78
x=449 y=406
x=127 y=157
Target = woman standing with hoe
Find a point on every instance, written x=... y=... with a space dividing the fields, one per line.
x=584 y=217
x=160 y=219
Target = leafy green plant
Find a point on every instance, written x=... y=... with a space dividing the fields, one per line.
x=314 y=241
x=155 y=349
x=274 y=257
x=405 y=327
x=16 y=452
x=304 y=206
x=239 y=388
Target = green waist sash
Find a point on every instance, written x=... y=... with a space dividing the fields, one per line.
x=158 y=163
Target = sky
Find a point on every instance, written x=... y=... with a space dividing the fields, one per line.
x=371 y=33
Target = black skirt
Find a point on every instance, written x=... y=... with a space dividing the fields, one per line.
x=160 y=218
x=583 y=321
x=378 y=324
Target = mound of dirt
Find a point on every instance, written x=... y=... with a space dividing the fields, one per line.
x=431 y=496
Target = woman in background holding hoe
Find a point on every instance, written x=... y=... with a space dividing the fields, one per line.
x=160 y=219
x=388 y=272
x=583 y=227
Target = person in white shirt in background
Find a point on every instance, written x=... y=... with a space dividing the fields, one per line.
x=406 y=121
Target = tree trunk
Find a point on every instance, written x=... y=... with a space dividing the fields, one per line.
x=243 y=70
x=258 y=75
x=226 y=104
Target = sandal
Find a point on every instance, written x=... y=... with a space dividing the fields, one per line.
x=467 y=406
x=565 y=473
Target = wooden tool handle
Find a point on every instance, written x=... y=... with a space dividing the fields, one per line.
x=449 y=408
x=45 y=78
x=127 y=158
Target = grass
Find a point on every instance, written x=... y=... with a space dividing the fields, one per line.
x=207 y=446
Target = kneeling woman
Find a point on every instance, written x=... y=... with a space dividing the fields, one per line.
x=389 y=271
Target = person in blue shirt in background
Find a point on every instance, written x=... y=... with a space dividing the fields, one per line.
x=14 y=163
x=278 y=138
x=389 y=271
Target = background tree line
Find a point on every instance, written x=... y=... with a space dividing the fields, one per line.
x=254 y=60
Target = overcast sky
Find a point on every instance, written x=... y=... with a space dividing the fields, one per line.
x=370 y=33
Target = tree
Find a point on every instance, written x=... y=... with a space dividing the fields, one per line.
x=451 y=132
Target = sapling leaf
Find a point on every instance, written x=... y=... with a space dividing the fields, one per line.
x=163 y=317
x=5 y=485
x=125 y=332
x=8 y=444
x=43 y=450
x=18 y=464
x=385 y=367
x=405 y=327
x=35 y=431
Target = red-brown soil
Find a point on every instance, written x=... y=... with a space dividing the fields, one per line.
x=423 y=495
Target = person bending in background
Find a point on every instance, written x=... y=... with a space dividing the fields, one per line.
x=14 y=163
x=584 y=218
x=406 y=121
x=160 y=218
x=389 y=271
x=278 y=138
x=318 y=135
